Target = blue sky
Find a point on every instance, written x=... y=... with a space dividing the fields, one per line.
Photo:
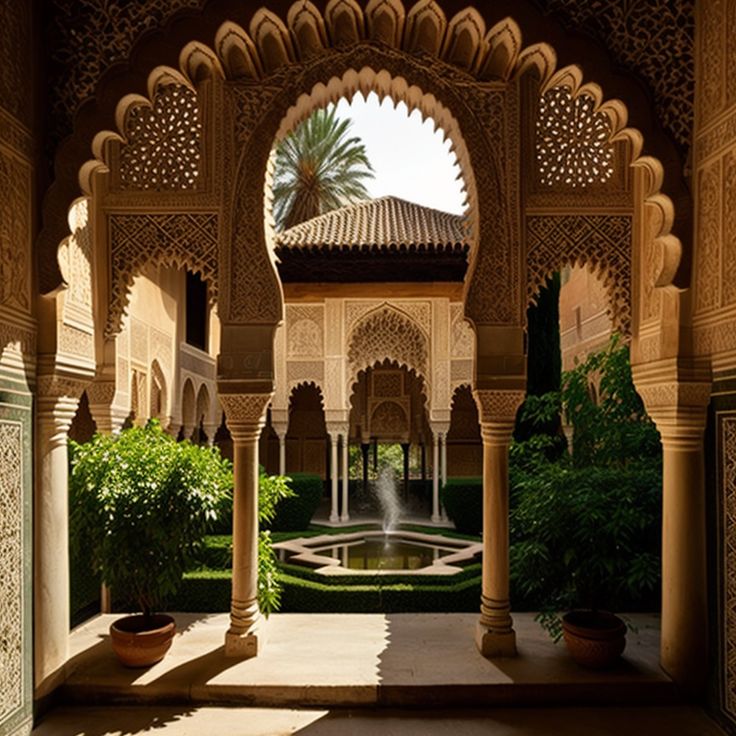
x=411 y=161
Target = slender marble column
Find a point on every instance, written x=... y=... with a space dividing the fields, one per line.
x=334 y=515
x=436 y=478
x=57 y=404
x=345 y=516
x=443 y=444
x=282 y=454
x=495 y=636
x=245 y=415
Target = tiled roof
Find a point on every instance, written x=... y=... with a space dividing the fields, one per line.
x=383 y=223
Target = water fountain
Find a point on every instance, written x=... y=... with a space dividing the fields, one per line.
x=388 y=498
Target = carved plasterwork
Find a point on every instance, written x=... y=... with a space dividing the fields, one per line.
x=162 y=149
x=707 y=244
x=389 y=420
x=601 y=242
x=388 y=384
x=136 y=240
x=461 y=372
x=15 y=47
x=728 y=261
x=728 y=481
x=244 y=408
x=572 y=141
x=75 y=256
x=646 y=38
x=304 y=331
x=305 y=371
x=387 y=334
x=462 y=339
x=11 y=568
x=15 y=202
x=498 y=406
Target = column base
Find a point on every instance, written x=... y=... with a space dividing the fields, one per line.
x=436 y=519
x=334 y=518
x=495 y=643
x=345 y=517
x=243 y=645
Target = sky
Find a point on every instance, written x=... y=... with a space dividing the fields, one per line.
x=410 y=159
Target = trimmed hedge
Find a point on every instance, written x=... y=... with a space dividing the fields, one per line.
x=208 y=591
x=295 y=512
x=463 y=501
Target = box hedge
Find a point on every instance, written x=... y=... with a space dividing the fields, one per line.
x=463 y=501
x=295 y=512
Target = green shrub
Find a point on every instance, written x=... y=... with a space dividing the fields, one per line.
x=587 y=537
x=463 y=501
x=140 y=505
x=296 y=511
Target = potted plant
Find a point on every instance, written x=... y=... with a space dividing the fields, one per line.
x=587 y=541
x=140 y=505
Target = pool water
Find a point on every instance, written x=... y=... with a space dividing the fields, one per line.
x=384 y=554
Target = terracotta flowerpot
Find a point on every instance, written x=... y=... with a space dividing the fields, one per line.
x=595 y=639
x=140 y=641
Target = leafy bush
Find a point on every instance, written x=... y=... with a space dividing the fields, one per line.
x=586 y=537
x=140 y=506
x=296 y=511
x=463 y=501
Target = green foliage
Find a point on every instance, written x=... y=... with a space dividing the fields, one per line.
x=318 y=168
x=586 y=537
x=613 y=430
x=272 y=491
x=463 y=501
x=296 y=509
x=140 y=506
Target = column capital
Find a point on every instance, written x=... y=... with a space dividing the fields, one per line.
x=497 y=413
x=108 y=416
x=281 y=428
x=335 y=429
x=245 y=414
x=57 y=400
x=679 y=409
x=439 y=429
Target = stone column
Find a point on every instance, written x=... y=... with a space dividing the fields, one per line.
x=495 y=636
x=680 y=413
x=406 y=447
x=281 y=430
x=210 y=430
x=443 y=472
x=345 y=516
x=365 y=447
x=58 y=399
x=334 y=515
x=108 y=416
x=436 y=518
x=245 y=415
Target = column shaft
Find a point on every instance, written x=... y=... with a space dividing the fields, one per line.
x=684 y=632
x=443 y=441
x=334 y=515
x=345 y=516
x=282 y=454
x=51 y=541
x=436 y=479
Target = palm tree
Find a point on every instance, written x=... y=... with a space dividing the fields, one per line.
x=318 y=169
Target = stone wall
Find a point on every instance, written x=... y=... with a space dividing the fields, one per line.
x=17 y=363
x=714 y=322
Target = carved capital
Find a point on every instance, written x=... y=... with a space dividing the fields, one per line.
x=245 y=414
x=497 y=413
x=680 y=411
x=57 y=401
x=335 y=429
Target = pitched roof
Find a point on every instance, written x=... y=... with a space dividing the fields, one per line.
x=383 y=223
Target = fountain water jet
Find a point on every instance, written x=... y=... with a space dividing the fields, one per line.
x=388 y=498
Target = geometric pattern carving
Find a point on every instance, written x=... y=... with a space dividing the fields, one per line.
x=601 y=242
x=11 y=568
x=162 y=142
x=462 y=341
x=304 y=331
x=389 y=421
x=728 y=450
x=388 y=384
x=728 y=266
x=572 y=147
x=645 y=38
x=387 y=334
x=707 y=244
x=90 y=36
x=305 y=371
x=15 y=233
x=184 y=240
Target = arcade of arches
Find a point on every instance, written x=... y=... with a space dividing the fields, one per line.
x=573 y=151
